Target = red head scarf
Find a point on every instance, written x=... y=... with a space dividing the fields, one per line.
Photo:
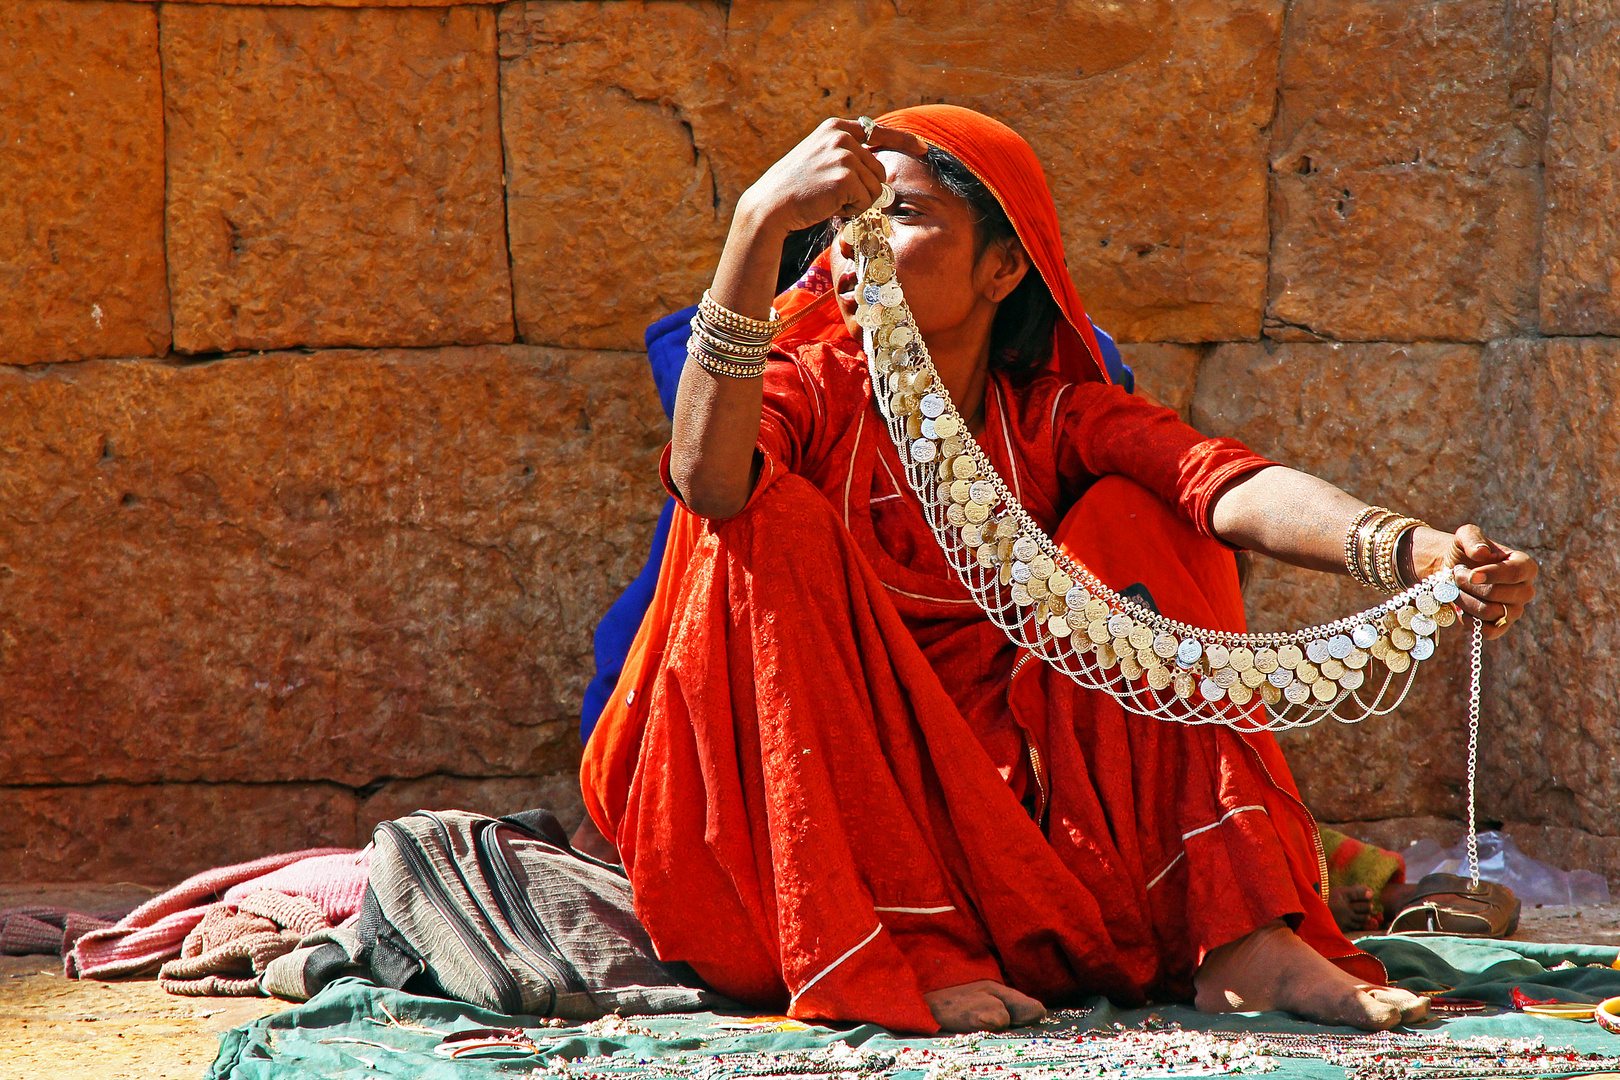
x=1005 y=164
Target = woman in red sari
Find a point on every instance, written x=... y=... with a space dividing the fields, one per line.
x=836 y=786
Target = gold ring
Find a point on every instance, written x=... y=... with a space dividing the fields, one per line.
x=1502 y=621
x=867 y=124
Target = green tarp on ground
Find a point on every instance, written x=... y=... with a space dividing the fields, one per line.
x=349 y=1030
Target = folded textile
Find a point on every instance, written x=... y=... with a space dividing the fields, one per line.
x=336 y=883
x=21 y=935
x=157 y=929
x=1355 y=862
x=319 y=959
x=49 y=931
x=235 y=941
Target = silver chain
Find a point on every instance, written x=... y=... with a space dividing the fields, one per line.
x=1475 y=661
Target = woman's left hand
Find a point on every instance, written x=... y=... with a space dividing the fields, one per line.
x=1496 y=581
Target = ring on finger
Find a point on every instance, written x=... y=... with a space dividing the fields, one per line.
x=867 y=124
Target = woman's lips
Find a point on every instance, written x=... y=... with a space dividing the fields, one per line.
x=846 y=289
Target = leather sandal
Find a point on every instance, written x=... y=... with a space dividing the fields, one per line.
x=1444 y=904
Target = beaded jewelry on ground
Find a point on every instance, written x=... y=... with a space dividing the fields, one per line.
x=1153 y=1049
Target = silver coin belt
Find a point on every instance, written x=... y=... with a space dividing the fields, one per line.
x=1054 y=606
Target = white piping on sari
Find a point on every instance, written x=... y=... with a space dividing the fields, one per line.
x=829 y=968
x=849 y=474
x=1057 y=399
x=1006 y=438
x=1221 y=821
x=1189 y=835
x=1168 y=866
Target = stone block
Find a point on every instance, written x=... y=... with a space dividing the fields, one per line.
x=1165 y=372
x=1569 y=849
x=82 y=270
x=339 y=565
x=1392 y=424
x=1162 y=195
x=1405 y=168
x=330 y=3
x=1521 y=437
x=1564 y=848
x=1580 y=284
x=160 y=834
x=1552 y=688
x=1395 y=834
x=616 y=217
x=334 y=177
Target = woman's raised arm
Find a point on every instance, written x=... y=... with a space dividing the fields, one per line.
x=1300 y=519
x=831 y=173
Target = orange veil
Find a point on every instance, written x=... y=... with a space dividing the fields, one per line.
x=1005 y=164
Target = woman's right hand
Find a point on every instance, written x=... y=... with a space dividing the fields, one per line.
x=834 y=172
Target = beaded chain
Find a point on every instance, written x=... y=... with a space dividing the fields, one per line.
x=1057 y=1049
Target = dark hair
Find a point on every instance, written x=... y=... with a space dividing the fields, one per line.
x=1021 y=336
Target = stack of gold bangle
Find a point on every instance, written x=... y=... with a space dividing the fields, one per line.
x=726 y=343
x=1370 y=546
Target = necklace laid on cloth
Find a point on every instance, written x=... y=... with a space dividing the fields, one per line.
x=1052 y=605
x=1153 y=1049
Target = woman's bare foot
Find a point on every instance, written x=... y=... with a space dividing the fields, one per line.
x=1352 y=908
x=982 y=1006
x=1273 y=969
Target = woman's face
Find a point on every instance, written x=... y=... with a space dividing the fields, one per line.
x=934 y=254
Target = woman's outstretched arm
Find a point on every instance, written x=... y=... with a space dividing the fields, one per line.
x=1300 y=519
x=832 y=172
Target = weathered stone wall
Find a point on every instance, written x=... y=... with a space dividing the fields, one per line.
x=324 y=440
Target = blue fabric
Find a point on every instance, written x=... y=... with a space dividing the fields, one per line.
x=666 y=353
x=1117 y=371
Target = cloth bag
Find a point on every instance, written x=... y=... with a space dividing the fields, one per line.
x=506 y=915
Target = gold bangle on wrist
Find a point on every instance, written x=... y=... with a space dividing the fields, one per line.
x=1389 y=535
x=1401 y=583
x=1354 y=544
x=1368 y=553
x=716 y=364
x=723 y=318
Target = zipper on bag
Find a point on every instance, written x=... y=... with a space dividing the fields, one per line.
x=518 y=948
x=513 y=899
x=506 y=987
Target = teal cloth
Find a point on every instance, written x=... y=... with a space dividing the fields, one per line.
x=305 y=1042
x=1488 y=970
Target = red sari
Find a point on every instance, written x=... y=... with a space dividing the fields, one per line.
x=836 y=786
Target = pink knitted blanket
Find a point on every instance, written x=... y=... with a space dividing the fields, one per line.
x=334 y=878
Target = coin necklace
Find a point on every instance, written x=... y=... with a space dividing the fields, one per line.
x=1051 y=604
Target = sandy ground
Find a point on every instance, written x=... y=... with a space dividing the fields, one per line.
x=52 y=1027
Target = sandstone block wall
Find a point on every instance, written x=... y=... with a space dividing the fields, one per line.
x=324 y=437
